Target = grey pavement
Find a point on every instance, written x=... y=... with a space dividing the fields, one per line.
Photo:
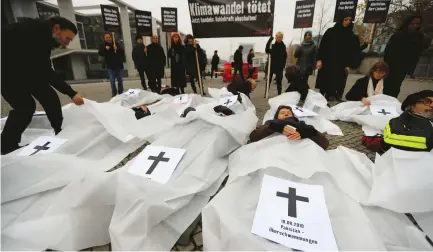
x=192 y=239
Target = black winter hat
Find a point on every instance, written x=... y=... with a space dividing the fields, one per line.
x=412 y=99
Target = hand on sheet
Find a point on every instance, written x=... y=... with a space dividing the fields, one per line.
x=294 y=136
x=365 y=101
x=78 y=99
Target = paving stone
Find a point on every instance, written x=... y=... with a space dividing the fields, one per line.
x=198 y=239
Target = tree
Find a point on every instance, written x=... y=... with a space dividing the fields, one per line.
x=322 y=20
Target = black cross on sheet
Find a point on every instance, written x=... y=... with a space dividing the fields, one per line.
x=132 y=92
x=384 y=112
x=292 y=200
x=227 y=102
x=297 y=108
x=156 y=160
x=38 y=148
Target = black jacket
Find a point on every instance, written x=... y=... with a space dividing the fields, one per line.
x=238 y=58
x=297 y=84
x=190 y=60
x=409 y=125
x=215 y=61
x=156 y=58
x=239 y=86
x=34 y=58
x=139 y=57
x=278 y=55
x=250 y=59
x=359 y=89
x=113 y=60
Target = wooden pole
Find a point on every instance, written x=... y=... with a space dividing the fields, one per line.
x=168 y=57
x=302 y=31
x=269 y=79
x=198 y=72
x=114 y=40
x=370 y=38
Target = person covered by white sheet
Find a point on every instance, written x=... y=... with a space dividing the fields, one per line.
x=369 y=85
x=286 y=123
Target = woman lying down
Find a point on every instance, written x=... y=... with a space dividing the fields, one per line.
x=286 y=123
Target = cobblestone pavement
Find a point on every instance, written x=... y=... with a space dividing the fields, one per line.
x=192 y=239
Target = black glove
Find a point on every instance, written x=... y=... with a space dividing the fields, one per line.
x=224 y=110
x=271 y=38
x=186 y=111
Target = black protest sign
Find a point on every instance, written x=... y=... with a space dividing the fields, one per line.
x=344 y=6
x=229 y=18
x=304 y=13
x=376 y=11
x=110 y=18
x=169 y=19
x=143 y=23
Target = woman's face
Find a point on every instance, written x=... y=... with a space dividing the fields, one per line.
x=308 y=36
x=347 y=21
x=175 y=39
x=279 y=38
x=378 y=75
x=284 y=114
x=252 y=52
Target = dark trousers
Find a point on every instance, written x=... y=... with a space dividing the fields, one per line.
x=154 y=82
x=23 y=106
x=305 y=77
x=251 y=72
x=392 y=82
x=279 y=78
x=214 y=69
x=192 y=77
x=238 y=69
x=143 y=80
x=116 y=74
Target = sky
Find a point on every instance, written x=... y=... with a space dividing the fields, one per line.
x=283 y=21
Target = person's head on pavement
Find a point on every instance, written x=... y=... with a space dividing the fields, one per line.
x=283 y=112
x=420 y=103
x=379 y=70
x=139 y=40
x=63 y=30
x=108 y=38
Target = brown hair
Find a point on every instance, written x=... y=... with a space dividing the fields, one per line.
x=175 y=34
x=380 y=66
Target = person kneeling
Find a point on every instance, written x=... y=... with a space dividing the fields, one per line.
x=413 y=129
x=286 y=123
x=297 y=83
x=369 y=85
x=240 y=86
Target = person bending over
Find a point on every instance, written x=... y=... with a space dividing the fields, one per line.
x=297 y=82
x=412 y=130
x=286 y=123
x=369 y=85
x=239 y=86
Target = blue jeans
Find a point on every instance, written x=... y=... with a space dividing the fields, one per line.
x=114 y=74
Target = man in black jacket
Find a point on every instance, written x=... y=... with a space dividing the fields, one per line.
x=19 y=88
x=278 y=58
x=215 y=62
x=412 y=130
x=139 y=58
x=114 y=56
x=238 y=63
x=157 y=61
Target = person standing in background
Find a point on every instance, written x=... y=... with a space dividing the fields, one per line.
x=176 y=54
x=140 y=60
x=215 y=62
x=114 y=56
x=251 y=69
x=338 y=52
x=156 y=68
x=27 y=74
x=306 y=56
x=278 y=58
x=402 y=54
x=190 y=61
x=238 y=62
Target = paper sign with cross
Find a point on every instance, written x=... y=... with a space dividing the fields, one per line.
x=157 y=163
x=181 y=99
x=132 y=92
x=294 y=215
x=228 y=101
x=42 y=145
x=382 y=110
x=302 y=112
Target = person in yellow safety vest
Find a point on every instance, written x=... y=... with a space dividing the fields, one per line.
x=413 y=129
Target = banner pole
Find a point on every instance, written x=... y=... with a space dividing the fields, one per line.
x=168 y=57
x=114 y=41
x=370 y=38
x=268 y=79
x=302 y=31
x=198 y=72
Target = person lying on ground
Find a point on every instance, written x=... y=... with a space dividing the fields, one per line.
x=369 y=85
x=413 y=129
x=286 y=123
x=143 y=111
x=296 y=82
x=240 y=86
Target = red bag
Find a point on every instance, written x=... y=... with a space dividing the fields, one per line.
x=373 y=143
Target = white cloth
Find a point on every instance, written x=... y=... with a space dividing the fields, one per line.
x=374 y=91
x=315 y=102
x=345 y=176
